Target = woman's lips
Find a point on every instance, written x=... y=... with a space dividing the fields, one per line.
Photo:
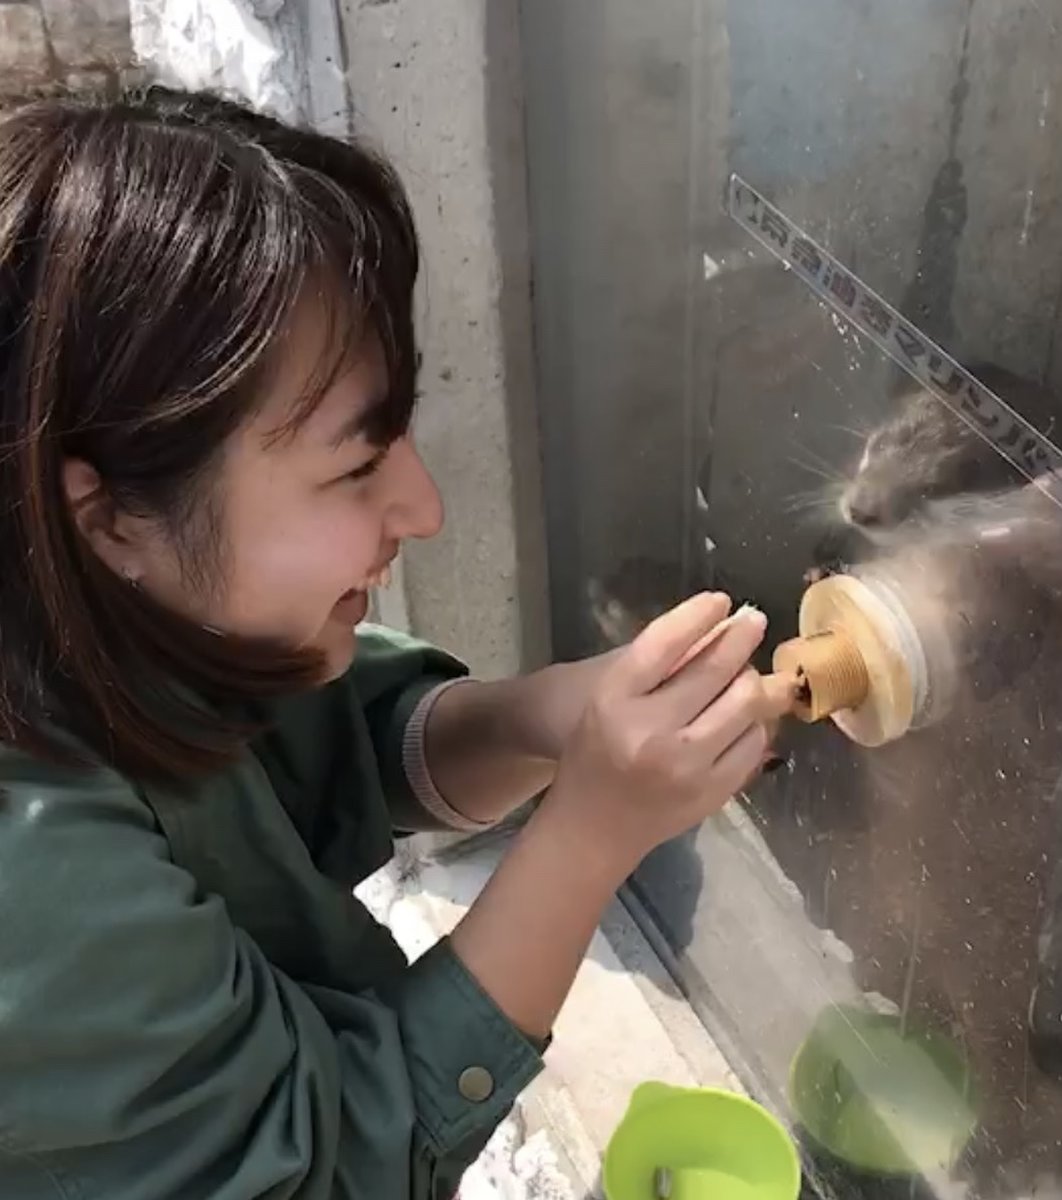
x=353 y=605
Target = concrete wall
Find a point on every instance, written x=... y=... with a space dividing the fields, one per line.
x=54 y=45
x=439 y=87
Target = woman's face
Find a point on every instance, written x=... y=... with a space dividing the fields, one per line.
x=308 y=520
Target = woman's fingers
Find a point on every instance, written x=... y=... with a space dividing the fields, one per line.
x=705 y=676
x=654 y=653
x=739 y=762
x=780 y=693
x=680 y=717
x=746 y=703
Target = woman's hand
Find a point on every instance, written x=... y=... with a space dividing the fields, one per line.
x=492 y=746
x=676 y=724
x=554 y=699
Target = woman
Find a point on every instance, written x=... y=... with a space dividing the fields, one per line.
x=207 y=373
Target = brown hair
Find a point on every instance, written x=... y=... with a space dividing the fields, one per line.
x=151 y=250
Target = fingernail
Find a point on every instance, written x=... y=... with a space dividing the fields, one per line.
x=749 y=612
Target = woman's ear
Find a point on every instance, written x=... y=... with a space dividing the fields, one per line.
x=110 y=533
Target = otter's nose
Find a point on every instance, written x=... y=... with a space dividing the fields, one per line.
x=856 y=510
x=863 y=515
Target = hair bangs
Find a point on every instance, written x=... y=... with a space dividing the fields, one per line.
x=361 y=268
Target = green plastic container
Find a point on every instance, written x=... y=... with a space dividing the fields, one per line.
x=716 y=1145
x=881 y=1099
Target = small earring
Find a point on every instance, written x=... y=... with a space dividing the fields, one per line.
x=131 y=578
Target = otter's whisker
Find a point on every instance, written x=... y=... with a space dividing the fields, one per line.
x=861 y=434
x=819 y=503
x=831 y=475
x=815 y=463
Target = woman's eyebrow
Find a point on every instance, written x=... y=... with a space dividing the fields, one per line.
x=356 y=425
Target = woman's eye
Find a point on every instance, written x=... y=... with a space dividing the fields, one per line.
x=367 y=468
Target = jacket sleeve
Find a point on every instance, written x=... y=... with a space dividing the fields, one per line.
x=347 y=760
x=396 y=679
x=149 y=1051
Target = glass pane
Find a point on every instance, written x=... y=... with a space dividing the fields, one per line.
x=871 y=933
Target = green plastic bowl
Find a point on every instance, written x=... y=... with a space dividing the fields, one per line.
x=879 y=1099
x=716 y=1145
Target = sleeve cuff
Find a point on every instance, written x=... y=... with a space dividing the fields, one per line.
x=418 y=774
x=467 y=1061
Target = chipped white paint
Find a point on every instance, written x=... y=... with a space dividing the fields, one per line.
x=284 y=56
x=223 y=45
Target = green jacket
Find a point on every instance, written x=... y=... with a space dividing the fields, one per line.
x=192 y=1003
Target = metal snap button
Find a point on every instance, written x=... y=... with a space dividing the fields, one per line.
x=476 y=1084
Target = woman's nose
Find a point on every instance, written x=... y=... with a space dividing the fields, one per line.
x=414 y=506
